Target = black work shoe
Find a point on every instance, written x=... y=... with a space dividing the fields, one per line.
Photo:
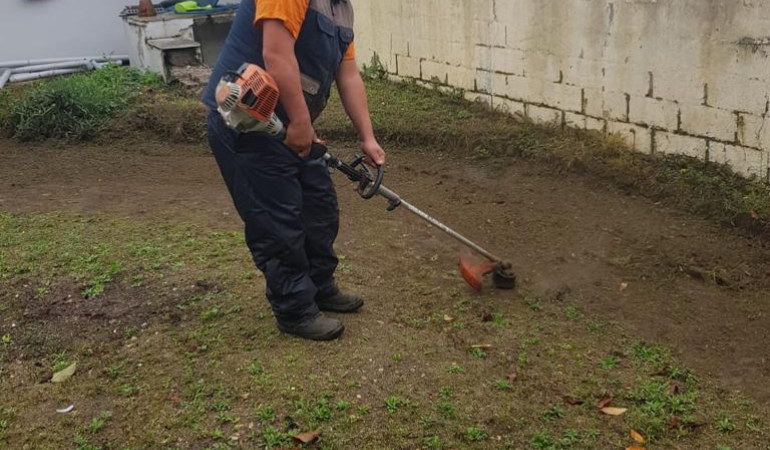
x=340 y=302
x=319 y=328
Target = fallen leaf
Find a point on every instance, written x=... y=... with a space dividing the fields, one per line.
x=572 y=400
x=637 y=437
x=306 y=438
x=674 y=422
x=448 y=318
x=65 y=410
x=612 y=411
x=604 y=401
x=482 y=346
x=674 y=388
x=511 y=377
x=64 y=375
x=623 y=286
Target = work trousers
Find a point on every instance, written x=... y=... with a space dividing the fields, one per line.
x=291 y=216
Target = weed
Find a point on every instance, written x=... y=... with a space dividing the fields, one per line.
x=447 y=409
x=103 y=276
x=211 y=313
x=6 y=339
x=322 y=412
x=393 y=402
x=98 y=423
x=445 y=392
x=255 y=368
x=433 y=443
x=533 y=303
x=569 y=437
x=342 y=405
x=725 y=424
x=609 y=363
x=499 y=320
x=571 y=312
x=477 y=352
x=653 y=355
x=265 y=413
x=427 y=422
x=503 y=385
x=753 y=424
x=397 y=357
x=364 y=410
x=114 y=371
x=473 y=434
x=456 y=368
x=217 y=434
x=553 y=413
x=543 y=440
x=224 y=418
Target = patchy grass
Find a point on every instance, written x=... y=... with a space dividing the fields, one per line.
x=206 y=372
x=74 y=107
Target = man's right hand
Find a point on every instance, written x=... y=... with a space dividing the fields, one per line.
x=300 y=137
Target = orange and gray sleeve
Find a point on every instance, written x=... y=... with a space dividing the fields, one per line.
x=351 y=52
x=290 y=12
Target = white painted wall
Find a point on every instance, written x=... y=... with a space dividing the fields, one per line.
x=53 y=28
x=670 y=76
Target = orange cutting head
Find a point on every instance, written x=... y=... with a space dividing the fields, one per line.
x=473 y=268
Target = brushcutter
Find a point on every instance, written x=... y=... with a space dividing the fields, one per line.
x=247 y=100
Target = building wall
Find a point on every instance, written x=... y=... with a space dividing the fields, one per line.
x=32 y=29
x=670 y=76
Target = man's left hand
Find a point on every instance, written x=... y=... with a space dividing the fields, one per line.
x=373 y=152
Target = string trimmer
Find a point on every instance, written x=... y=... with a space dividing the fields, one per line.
x=247 y=100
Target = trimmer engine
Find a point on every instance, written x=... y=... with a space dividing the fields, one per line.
x=247 y=99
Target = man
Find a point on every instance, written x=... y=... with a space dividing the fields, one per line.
x=287 y=202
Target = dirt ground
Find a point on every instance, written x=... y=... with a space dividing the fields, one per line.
x=663 y=275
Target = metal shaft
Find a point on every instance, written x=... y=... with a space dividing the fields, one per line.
x=393 y=197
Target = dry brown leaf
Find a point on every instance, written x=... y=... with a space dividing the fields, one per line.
x=604 y=401
x=511 y=377
x=637 y=437
x=623 y=286
x=674 y=388
x=572 y=400
x=306 y=438
x=612 y=411
x=674 y=422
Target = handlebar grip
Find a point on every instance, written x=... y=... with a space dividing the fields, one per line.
x=318 y=150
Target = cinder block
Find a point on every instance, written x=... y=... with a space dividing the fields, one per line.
x=488 y=33
x=584 y=73
x=434 y=72
x=677 y=144
x=544 y=115
x=542 y=65
x=581 y=121
x=711 y=122
x=638 y=138
x=525 y=89
x=408 y=66
x=507 y=60
x=627 y=78
x=654 y=113
x=754 y=131
x=562 y=96
x=483 y=10
x=739 y=93
x=743 y=160
x=508 y=106
x=461 y=77
x=609 y=105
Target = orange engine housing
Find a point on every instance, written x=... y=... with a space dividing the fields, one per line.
x=258 y=95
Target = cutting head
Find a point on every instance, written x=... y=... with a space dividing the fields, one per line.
x=473 y=268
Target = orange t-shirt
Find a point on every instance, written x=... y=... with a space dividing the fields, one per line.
x=292 y=14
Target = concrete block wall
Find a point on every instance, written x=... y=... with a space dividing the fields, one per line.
x=685 y=77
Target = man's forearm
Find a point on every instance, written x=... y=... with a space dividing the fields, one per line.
x=353 y=97
x=285 y=70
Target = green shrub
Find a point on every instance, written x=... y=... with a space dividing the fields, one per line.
x=76 y=106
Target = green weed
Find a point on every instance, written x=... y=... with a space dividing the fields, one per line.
x=393 y=403
x=98 y=423
x=474 y=434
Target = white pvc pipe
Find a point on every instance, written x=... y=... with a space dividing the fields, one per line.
x=44 y=67
x=34 y=62
x=4 y=78
x=38 y=75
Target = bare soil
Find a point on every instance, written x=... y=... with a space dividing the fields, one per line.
x=664 y=275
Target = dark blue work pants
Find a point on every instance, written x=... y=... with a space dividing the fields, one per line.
x=289 y=208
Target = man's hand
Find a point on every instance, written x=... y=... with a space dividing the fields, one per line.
x=374 y=153
x=300 y=137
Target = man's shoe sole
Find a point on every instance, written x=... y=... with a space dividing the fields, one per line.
x=326 y=337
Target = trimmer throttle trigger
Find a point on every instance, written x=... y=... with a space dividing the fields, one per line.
x=393 y=204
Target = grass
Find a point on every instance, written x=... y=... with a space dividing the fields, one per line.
x=74 y=107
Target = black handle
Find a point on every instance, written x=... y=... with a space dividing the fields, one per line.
x=370 y=182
